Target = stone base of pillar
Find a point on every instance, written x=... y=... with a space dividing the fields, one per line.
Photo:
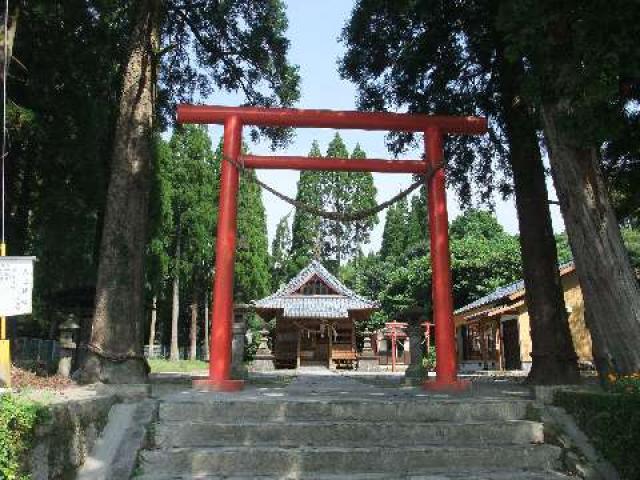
x=263 y=363
x=456 y=386
x=368 y=363
x=211 y=385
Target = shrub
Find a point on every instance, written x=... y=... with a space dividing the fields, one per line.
x=612 y=422
x=18 y=418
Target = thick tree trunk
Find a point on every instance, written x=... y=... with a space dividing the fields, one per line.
x=152 y=326
x=205 y=347
x=193 y=333
x=553 y=356
x=117 y=329
x=174 y=355
x=609 y=287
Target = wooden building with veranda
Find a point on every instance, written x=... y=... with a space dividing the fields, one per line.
x=494 y=332
x=315 y=317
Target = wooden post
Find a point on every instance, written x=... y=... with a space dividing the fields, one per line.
x=330 y=352
x=298 y=349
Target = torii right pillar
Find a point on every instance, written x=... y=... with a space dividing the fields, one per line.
x=446 y=363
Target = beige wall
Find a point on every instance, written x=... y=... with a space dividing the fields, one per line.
x=575 y=305
x=579 y=332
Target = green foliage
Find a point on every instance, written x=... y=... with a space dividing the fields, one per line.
x=394 y=236
x=331 y=241
x=236 y=45
x=630 y=237
x=190 y=173
x=341 y=192
x=280 y=251
x=564 y=249
x=18 y=419
x=159 y=365
x=432 y=57
x=483 y=256
x=304 y=233
x=252 y=278
x=612 y=422
x=61 y=119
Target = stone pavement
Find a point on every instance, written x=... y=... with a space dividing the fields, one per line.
x=322 y=425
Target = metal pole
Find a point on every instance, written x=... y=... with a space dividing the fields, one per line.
x=446 y=365
x=222 y=308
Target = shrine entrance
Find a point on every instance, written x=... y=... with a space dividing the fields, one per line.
x=433 y=127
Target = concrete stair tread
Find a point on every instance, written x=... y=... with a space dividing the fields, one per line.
x=347 y=433
x=329 y=423
x=426 y=474
x=333 y=460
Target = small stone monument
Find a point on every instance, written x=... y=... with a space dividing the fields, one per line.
x=264 y=356
x=241 y=313
x=415 y=371
x=367 y=360
x=68 y=346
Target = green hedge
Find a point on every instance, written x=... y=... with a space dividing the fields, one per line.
x=18 y=418
x=612 y=422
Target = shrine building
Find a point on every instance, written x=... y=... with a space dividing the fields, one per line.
x=315 y=318
x=494 y=332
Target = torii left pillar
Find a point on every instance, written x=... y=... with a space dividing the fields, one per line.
x=222 y=311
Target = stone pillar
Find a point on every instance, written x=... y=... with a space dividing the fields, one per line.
x=415 y=371
x=239 y=329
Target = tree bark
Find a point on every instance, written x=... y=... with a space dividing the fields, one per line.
x=174 y=355
x=117 y=328
x=609 y=287
x=193 y=334
x=553 y=356
x=152 y=327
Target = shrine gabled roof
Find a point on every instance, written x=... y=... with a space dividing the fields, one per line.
x=506 y=291
x=296 y=305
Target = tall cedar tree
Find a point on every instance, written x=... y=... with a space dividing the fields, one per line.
x=189 y=169
x=232 y=45
x=394 y=236
x=444 y=58
x=280 y=253
x=342 y=192
x=251 y=279
x=580 y=76
x=305 y=235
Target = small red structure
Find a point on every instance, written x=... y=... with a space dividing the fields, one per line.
x=433 y=127
x=394 y=331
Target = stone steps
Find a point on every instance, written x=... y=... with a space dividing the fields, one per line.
x=335 y=461
x=428 y=474
x=432 y=410
x=247 y=436
x=345 y=434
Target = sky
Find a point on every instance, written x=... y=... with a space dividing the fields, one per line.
x=314 y=30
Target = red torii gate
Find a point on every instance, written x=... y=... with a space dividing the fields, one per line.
x=433 y=127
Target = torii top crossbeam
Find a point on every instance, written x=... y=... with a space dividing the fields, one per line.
x=299 y=118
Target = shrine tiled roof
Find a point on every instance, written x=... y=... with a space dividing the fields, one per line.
x=294 y=304
x=503 y=292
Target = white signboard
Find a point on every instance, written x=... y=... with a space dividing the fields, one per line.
x=16 y=285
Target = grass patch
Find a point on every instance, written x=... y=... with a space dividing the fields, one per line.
x=18 y=419
x=159 y=365
x=612 y=422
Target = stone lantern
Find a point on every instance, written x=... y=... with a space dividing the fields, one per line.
x=67 y=345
